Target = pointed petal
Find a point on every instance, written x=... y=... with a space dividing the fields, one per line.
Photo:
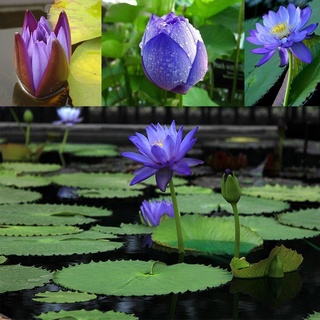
x=29 y=21
x=62 y=31
x=283 y=54
x=143 y=174
x=301 y=51
x=266 y=58
x=181 y=167
x=56 y=73
x=163 y=177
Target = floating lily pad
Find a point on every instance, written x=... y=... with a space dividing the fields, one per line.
x=37 y=230
x=96 y=180
x=190 y=190
x=271 y=229
x=290 y=261
x=3 y=259
x=12 y=179
x=49 y=214
x=125 y=229
x=108 y=193
x=139 y=278
x=212 y=236
x=17 y=277
x=308 y=219
x=10 y=195
x=314 y=316
x=279 y=192
x=30 y=167
x=63 y=296
x=86 y=315
x=81 y=243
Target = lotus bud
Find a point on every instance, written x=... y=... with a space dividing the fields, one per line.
x=28 y=116
x=230 y=188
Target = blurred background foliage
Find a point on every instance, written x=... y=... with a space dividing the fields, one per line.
x=219 y=22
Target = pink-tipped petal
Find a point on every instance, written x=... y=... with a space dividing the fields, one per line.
x=64 y=35
x=29 y=21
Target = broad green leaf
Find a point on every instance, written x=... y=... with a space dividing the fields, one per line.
x=63 y=296
x=85 y=315
x=3 y=259
x=113 y=48
x=122 y=12
x=108 y=193
x=125 y=229
x=211 y=236
x=30 y=167
x=11 y=196
x=140 y=278
x=17 y=277
x=158 y=7
x=308 y=219
x=84 y=18
x=313 y=316
x=196 y=97
x=85 y=74
x=12 y=179
x=290 y=259
x=86 y=242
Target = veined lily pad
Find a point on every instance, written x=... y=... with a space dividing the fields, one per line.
x=278 y=192
x=139 y=278
x=30 y=167
x=49 y=214
x=17 y=277
x=108 y=193
x=63 y=296
x=125 y=229
x=81 y=243
x=212 y=236
x=85 y=315
x=10 y=195
x=12 y=179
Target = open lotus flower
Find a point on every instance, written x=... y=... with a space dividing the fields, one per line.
x=152 y=213
x=68 y=116
x=42 y=56
x=174 y=56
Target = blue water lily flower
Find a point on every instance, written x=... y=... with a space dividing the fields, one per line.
x=68 y=116
x=153 y=213
x=283 y=30
x=42 y=56
x=174 y=56
x=162 y=152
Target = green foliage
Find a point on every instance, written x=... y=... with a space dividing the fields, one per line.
x=13 y=179
x=11 y=196
x=63 y=296
x=108 y=193
x=29 y=167
x=140 y=278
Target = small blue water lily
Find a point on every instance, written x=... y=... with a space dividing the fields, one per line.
x=283 y=30
x=153 y=213
x=174 y=56
x=162 y=152
x=68 y=116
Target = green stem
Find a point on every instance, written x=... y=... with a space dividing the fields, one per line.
x=176 y=217
x=180 y=100
x=16 y=119
x=236 y=230
x=286 y=97
x=27 y=136
x=64 y=140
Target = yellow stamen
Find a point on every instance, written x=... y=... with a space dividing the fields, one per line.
x=280 y=30
x=158 y=143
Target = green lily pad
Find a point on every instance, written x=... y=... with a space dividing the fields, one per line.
x=125 y=229
x=212 y=236
x=108 y=193
x=63 y=296
x=30 y=167
x=17 y=277
x=12 y=179
x=313 y=316
x=140 y=278
x=85 y=315
x=81 y=243
x=3 y=259
x=37 y=230
x=11 y=196
x=290 y=260
x=279 y=192
x=308 y=219
x=49 y=214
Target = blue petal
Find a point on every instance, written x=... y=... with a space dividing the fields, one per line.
x=165 y=63
x=266 y=58
x=181 y=167
x=163 y=177
x=301 y=51
x=143 y=174
x=283 y=55
x=160 y=155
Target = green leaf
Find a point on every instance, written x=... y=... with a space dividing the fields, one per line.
x=85 y=74
x=212 y=236
x=196 y=97
x=11 y=196
x=30 y=167
x=3 y=259
x=314 y=316
x=12 y=179
x=290 y=259
x=122 y=12
x=125 y=229
x=17 y=277
x=63 y=296
x=108 y=193
x=84 y=18
x=140 y=278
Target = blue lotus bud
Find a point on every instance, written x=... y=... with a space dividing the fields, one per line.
x=230 y=188
x=174 y=56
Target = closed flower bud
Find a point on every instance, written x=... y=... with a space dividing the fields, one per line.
x=174 y=56
x=230 y=188
x=28 y=116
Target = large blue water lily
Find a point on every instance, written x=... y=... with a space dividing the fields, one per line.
x=174 y=56
x=42 y=56
x=162 y=153
x=152 y=212
x=283 y=30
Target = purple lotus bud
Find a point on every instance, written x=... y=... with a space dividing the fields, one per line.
x=152 y=213
x=174 y=56
x=42 y=56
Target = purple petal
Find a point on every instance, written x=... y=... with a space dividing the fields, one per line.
x=187 y=143
x=191 y=162
x=140 y=158
x=143 y=174
x=159 y=154
x=301 y=51
x=254 y=40
x=29 y=21
x=260 y=50
x=266 y=58
x=181 y=167
x=163 y=177
x=309 y=29
x=283 y=54
x=62 y=31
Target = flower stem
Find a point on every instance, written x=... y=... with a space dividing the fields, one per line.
x=27 y=136
x=180 y=100
x=236 y=230
x=286 y=97
x=64 y=140
x=176 y=217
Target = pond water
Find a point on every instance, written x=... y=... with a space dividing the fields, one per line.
x=293 y=297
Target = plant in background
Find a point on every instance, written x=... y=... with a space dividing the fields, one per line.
x=152 y=213
x=174 y=56
x=42 y=56
x=162 y=153
x=68 y=116
x=28 y=118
